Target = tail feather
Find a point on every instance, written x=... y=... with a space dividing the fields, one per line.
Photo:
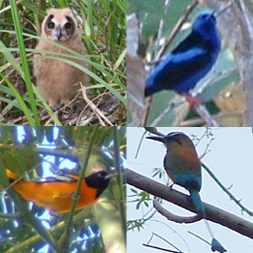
x=198 y=204
x=196 y=200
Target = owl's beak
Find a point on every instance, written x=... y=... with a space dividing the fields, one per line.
x=58 y=33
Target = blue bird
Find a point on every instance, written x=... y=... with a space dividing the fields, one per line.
x=190 y=61
x=183 y=166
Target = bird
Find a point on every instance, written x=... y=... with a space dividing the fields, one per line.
x=58 y=82
x=183 y=166
x=181 y=69
x=56 y=194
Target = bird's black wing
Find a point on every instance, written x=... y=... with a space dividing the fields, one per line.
x=192 y=40
x=175 y=71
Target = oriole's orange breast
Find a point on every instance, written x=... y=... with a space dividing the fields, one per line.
x=55 y=196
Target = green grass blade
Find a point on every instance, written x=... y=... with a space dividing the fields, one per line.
x=24 y=63
x=20 y=100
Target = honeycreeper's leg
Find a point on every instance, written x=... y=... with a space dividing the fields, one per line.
x=193 y=101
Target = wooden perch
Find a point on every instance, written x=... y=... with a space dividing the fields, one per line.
x=213 y=213
x=173 y=217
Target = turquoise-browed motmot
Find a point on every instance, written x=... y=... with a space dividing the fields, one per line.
x=183 y=166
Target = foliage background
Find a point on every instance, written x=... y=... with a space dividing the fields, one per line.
x=95 y=226
x=104 y=38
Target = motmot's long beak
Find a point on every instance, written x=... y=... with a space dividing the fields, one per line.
x=156 y=138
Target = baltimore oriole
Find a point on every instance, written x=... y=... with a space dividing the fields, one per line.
x=57 y=195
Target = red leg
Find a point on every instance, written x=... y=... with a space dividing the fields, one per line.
x=193 y=101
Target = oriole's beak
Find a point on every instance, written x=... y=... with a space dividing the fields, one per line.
x=156 y=138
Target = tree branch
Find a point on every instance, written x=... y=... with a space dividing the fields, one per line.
x=173 y=217
x=213 y=213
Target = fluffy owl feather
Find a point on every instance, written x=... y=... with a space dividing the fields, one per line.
x=57 y=81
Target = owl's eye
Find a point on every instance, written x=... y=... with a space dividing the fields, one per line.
x=50 y=25
x=68 y=25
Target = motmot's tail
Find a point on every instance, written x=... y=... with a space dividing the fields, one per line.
x=198 y=204
x=196 y=200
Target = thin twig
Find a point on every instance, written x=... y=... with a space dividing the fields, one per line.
x=165 y=240
x=147 y=110
x=231 y=196
x=159 y=248
x=199 y=237
x=176 y=29
x=101 y=117
x=139 y=145
x=64 y=240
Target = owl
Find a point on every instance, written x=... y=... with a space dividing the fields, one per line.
x=57 y=81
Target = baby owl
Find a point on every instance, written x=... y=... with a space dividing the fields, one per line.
x=57 y=81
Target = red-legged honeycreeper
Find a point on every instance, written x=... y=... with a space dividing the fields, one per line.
x=190 y=61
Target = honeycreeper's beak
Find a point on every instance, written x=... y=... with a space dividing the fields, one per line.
x=156 y=138
x=220 y=11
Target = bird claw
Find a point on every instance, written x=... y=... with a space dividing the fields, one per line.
x=216 y=246
x=193 y=101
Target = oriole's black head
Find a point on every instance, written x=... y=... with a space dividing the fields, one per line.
x=98 y=180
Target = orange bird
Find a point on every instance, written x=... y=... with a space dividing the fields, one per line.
x=57 y=195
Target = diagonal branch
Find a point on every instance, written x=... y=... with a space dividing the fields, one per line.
x=213 y=213
x=231 y=196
